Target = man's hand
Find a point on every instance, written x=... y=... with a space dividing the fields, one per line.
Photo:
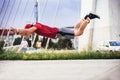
x=24 y=32
x=14 y=30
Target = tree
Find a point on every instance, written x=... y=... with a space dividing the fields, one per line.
x=17 y=41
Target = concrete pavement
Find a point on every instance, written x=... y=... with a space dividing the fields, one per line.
x=60 y=70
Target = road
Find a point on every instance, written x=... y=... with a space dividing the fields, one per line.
x=60 y=70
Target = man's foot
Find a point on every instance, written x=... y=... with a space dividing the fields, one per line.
x=92 y=16
x=88 y=20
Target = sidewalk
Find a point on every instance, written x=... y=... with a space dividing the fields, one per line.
x=60 y=70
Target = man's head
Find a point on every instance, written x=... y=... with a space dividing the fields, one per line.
x=27 y=26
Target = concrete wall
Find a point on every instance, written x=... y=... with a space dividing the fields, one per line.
x=114 y=7
x=107 y=28
x=102 y=26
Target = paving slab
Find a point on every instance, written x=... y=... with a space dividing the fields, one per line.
x=60 y=70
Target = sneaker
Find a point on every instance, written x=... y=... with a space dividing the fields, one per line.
x=92 y=16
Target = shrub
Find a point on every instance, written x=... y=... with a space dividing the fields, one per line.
x=59 y=56
x=17 y=41
x=1 y=46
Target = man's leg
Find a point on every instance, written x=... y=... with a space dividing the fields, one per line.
x=79 y=28
x=90 y=15
x=79 y=23
x=79 y=31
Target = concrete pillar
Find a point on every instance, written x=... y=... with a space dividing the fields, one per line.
x=85 y=39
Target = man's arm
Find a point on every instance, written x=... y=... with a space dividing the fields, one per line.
x=24 y=32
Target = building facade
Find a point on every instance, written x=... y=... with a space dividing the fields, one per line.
x=105 y=29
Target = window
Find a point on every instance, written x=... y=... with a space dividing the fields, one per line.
x=114 y=43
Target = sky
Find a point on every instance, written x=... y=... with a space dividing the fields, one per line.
x=59 y=13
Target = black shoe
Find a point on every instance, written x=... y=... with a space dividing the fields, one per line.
x=92 y=16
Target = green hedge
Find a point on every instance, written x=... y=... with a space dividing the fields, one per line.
x=59 y=56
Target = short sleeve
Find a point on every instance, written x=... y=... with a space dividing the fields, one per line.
x=37 y=25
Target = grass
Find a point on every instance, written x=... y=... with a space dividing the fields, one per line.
x=59 y=55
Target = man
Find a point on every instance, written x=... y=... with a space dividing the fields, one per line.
x=54 y=32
